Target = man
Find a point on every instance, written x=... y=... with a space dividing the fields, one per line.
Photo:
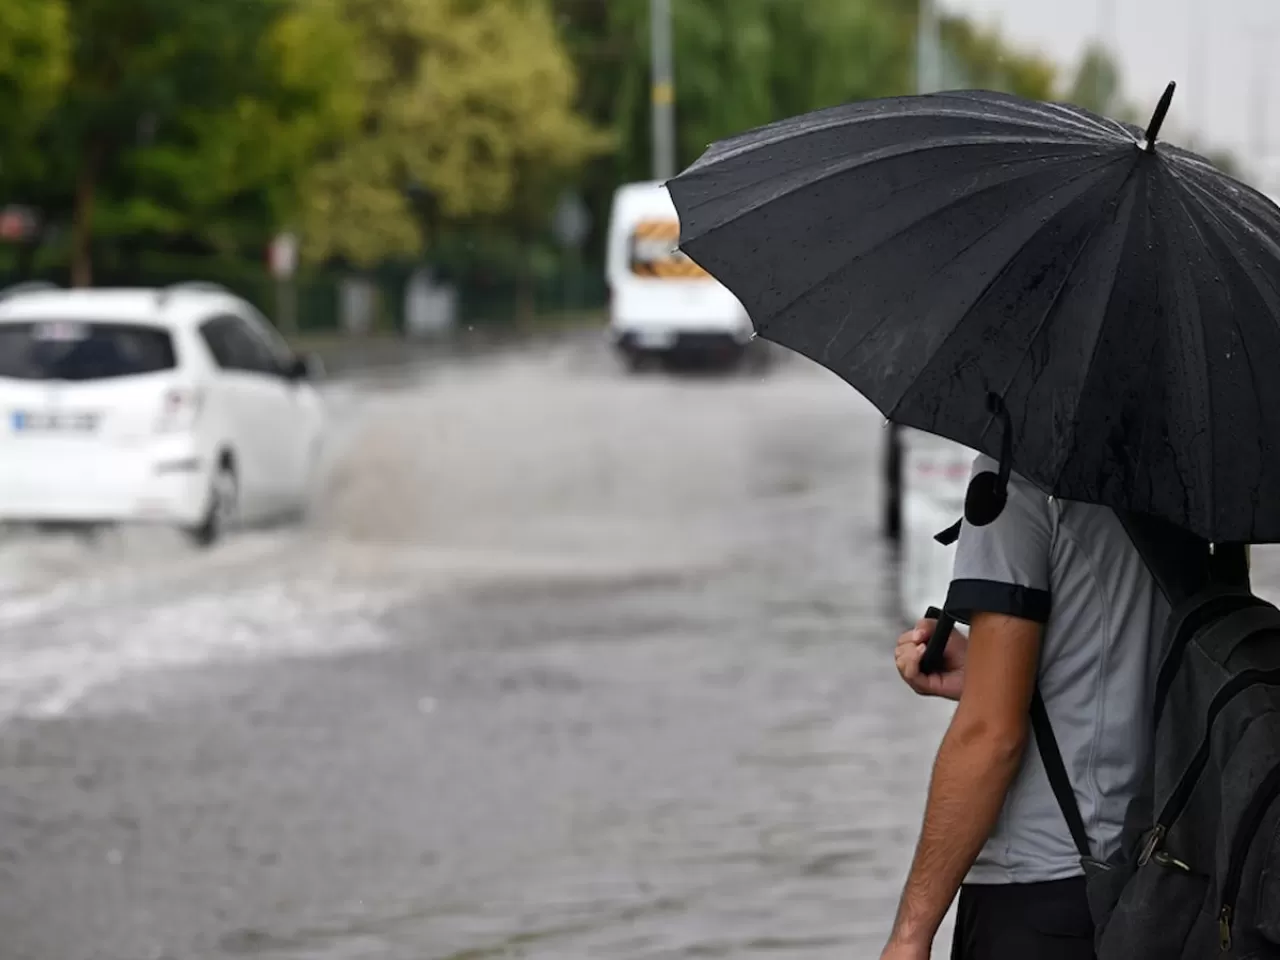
x=1055 y=594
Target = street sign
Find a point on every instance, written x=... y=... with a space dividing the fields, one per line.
x=571 y=221
x=18 y=223
x=283 y=256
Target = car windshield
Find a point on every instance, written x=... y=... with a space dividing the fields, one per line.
x=69 y=350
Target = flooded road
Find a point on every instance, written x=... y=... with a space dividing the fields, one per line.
x=565 y=664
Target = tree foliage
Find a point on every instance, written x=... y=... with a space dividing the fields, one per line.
x=35 y=48
x=743 y=63
x=458 y=99
x=35 y=52
x=178 y=118
x=983 y=59
x=377 y=127
x=1096 y=85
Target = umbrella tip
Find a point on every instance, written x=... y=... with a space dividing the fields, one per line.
x=1157 y=118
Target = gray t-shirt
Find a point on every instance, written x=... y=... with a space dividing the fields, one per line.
x=1072 y=567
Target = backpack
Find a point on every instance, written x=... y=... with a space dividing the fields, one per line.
x=1197 y=873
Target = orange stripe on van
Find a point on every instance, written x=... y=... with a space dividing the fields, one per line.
x=654 y=253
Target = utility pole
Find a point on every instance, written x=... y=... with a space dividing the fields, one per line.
x=928 y=49
x=928 y=80
x=663 y=92
x=1198 y=27
x=1260 y=141
x=1106 y=25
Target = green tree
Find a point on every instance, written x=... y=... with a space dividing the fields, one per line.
x=144 y=136
x=35 y=49
x=230 y=173
x=458 y=97
x=1097 y=83
x=738 y=64
x=980 y=57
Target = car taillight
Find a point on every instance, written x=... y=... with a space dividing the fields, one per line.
x=180 y=409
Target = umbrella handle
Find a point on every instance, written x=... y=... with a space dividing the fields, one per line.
x=936 y=648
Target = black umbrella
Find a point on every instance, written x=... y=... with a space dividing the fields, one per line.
x=1019 y=275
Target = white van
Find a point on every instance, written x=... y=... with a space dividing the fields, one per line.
x=661 y=303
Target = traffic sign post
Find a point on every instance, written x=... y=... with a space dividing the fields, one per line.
x=282 y=257
x=571 y=223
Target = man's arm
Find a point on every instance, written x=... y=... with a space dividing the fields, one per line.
x=978 y=759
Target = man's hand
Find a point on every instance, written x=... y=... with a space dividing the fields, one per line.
x=910 y=649
x=906 y=951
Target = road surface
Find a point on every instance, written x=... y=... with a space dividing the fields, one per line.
x=564 y=664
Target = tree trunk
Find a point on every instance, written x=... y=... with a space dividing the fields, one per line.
x=82 y=218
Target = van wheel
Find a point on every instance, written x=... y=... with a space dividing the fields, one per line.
x=758 y=356
x=224 y=498
x=638 y=361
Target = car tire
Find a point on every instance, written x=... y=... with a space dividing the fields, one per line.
x=223 y=501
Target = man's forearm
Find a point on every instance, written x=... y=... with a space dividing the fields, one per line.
x=970 y=779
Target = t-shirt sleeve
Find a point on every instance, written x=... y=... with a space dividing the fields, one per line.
x=1004 y=566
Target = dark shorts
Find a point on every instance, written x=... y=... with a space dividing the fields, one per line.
x=1044 y=921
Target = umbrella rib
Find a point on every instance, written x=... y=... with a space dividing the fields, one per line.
x=1213 y=207
x=1097 y=341
x=969 y=246
x=1039 y=328
x=1251 y=275
x=763 y=324
x=1204 y=352
x=1053 y=304
x=1064 y=114
x=1040 y=324
x=850 y=164
x=790 y=130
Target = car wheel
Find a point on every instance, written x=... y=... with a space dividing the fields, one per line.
x=223 y=501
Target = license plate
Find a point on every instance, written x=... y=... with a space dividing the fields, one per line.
x=25 y=421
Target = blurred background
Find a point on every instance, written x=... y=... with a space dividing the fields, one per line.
x=569 y=633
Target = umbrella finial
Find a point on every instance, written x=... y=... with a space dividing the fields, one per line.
x=1157 y=118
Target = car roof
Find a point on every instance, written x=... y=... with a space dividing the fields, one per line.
x=174 y=307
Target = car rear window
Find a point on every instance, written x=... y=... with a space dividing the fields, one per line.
x=71 y=350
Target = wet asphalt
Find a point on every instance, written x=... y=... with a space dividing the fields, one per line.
x=565 y=663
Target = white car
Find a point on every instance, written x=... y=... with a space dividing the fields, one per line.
x=180 y=406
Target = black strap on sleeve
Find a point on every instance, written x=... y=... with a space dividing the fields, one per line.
x=1059 y=781
x=950 y=535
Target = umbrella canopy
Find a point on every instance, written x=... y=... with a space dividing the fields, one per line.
x=971 y=257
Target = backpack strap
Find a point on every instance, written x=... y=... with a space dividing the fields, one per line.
x=1056 y=770
x=1229 y=564
x=1181 y=563
x=1184 y=622
x=1222 y=638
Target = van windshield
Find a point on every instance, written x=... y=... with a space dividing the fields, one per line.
x=653 y=252
x=69 y=350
